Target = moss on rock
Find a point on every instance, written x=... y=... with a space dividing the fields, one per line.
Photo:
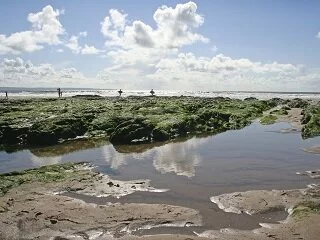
x=51 y=173
x=303 y=209
x=268 y=119
x=48 y=121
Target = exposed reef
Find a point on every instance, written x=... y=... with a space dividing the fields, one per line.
x=35 y=122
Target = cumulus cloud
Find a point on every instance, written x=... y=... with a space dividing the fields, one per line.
x=75 y=47
x=137 y=45
x=45 y=29
x=73 y=44
x=19 y=72
x=224 y=73
x=318 y=35
x=89 y=50
x=185 y=71
x=174 y=28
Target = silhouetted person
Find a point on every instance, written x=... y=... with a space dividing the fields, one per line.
x=120 y=92
x=7 y=95
x=59 y=92
x=152 y=92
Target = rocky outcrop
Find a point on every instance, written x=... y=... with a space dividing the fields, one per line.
x=50 y=131
x=130 y=131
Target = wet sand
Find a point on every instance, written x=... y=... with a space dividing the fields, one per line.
x=294 y=117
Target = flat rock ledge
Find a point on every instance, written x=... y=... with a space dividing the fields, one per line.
x=34 y=210
x=302 y=205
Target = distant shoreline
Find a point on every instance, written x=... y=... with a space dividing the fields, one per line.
x=20 y=93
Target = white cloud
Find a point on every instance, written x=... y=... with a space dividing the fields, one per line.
x=83 y=34
x=17 y=72
x=174 y=28
x=214 y=48
x=185 y=71
x=60 y=50
x=318 y=35
x=46 y=29
x=73 y=44
x=75 y=47
x=224 y=73
x=138 y=45
x=89 y=50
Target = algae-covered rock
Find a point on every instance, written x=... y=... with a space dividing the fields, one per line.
x=298 y=103
x=160 y=135
x=303 y=209
x=13 y=134
x=123 y=120
x=50 y=131
x=131 y=130
x=311 y=119
x=50 y=173
x=268 y=119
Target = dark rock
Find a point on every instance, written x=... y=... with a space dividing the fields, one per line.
x=128 y=131
x=160 y=135
x=250 y=99
x=53 y=221
x=50 y=131
x=298 y=103
x=13 y=134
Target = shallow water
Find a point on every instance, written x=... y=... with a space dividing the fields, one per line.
x=256 y=157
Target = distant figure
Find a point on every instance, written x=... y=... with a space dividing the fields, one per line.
x=152 y=92
x=7 y=95
x=59 y=92
x=120 y=92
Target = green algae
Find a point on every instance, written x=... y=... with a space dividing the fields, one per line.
x=268 y=119
x=305 y=208
x=50 y=121
x=311 y=119
x=45 y=174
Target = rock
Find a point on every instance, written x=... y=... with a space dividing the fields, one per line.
x=50 y=131
x=250 y=99
x=160 y=135
x=298 y=103
x=13 y=134
x=132 y=130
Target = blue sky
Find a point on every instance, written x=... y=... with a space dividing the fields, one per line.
x=199 y=45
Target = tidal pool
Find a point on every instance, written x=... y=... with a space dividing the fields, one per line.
x=255 y=157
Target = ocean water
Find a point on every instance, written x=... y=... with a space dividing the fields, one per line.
x=68 y=92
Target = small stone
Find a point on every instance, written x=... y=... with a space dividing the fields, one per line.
x=53 y=221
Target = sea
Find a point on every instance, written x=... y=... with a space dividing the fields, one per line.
x=69 y=92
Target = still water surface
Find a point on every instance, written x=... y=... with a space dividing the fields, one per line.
x=255 y=157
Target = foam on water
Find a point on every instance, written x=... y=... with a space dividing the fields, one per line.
x=68 y=92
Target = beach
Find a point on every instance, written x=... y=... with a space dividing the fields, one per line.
x=159 y=168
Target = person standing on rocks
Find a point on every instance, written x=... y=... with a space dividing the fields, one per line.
x=59 y=92
x=6 y=95
x=120 y=92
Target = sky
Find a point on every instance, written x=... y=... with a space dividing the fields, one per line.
x=205 y=45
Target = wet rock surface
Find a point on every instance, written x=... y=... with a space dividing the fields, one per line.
x=302 y=205
x=32 y=208
x=123 y=120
